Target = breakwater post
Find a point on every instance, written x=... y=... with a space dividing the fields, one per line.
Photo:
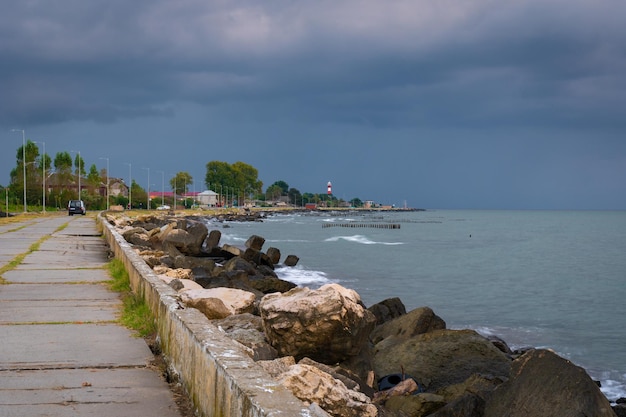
x=359 y=225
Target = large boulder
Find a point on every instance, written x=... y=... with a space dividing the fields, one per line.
x=291 y=260
x=441 y=357
x=328 y=325
x=417 y=321
x=311 y=384
x=234 y=300
x=247 y=329
x=255 y=242
x=387 y=310
x=212 y=240
x=544 y=384
x=188 y=241
x=136 y=236
x=274 y=254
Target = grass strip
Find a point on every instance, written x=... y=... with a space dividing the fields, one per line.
x=136 y=314
x=14 y=263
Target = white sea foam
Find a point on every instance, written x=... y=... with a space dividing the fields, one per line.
x=360 y=239
x=612 y=389
x=302 y=276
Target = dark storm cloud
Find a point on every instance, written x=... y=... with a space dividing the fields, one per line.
x=355 y=62
x=464 y=104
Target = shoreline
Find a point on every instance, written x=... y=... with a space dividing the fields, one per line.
x=205 y=214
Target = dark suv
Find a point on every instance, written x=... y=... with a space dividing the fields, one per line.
x=76 y=207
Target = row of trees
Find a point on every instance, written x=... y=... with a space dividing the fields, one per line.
x=242 y=180
x=64 y=175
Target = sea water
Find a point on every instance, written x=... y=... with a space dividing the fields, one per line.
x=550 y=279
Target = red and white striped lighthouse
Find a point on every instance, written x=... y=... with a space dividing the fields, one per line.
x=330 y=188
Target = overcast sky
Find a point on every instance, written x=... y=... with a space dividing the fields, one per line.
x=439 y=104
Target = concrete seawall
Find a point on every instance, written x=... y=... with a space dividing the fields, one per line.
x=219 y=377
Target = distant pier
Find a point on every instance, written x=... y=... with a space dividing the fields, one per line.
x=360 y=225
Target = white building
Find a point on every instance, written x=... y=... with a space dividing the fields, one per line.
x=207 y=198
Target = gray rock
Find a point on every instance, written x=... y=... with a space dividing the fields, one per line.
x=441 y=357
x=544 y=384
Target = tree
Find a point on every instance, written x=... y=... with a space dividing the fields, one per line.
x=283 y=186
x=140 y=196
x=274 y=191
x=180 y=182
x=33 y=180
x=236 y=179
x=356 y=202
x=294 y=196
x=94 y=178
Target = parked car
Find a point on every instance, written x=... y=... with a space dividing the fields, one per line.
x=164 y=207
x=76 y=207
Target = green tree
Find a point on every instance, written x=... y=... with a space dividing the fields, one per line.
x=93 y=178
x=140 y=196
x=33 y=180
x=295 y=197
x=356 y=202
x=229 y=180
x=63 y=170
x=181 y=182
x=273 y=192
x=284 y=187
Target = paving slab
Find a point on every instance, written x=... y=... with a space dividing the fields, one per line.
x=74 y=345
x=62 y=352
x=55 y=274
x=84 y=392
x=51 y=303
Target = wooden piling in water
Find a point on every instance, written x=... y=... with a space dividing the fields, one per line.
x=361 y=225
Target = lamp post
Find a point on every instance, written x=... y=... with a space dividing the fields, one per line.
x=148 y=188
x=23 y=161
x=162 y=187
x=79 y=173
x=130 y=185
x=107 y=159
x=43 y=176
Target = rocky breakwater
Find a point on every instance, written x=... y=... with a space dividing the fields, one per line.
x=329 y=349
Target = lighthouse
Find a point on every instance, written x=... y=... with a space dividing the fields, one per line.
x=330 y=188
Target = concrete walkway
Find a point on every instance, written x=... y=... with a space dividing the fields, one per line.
x=61 y=351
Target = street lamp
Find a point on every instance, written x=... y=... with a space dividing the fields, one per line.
x=162 y=187
x=79 y=173
x=43 y=175
x=107 y=159
x=23 y=160
x=148 y=187
x=130 y=185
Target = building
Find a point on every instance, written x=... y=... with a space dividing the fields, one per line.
x=207 y=198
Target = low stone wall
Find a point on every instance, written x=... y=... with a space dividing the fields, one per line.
x=220 y=379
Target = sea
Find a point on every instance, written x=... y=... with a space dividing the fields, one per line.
x=548 y=279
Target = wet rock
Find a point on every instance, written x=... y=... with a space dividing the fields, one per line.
x=387 y=310
x=268 y=285
x=544 y=384
x=417 y=321
x=212 y=240
x=418 y=405
x=274 y=255
x=291 y=260
x=441 y=357
x=255 y=242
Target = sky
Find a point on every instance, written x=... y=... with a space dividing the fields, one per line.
x=436 y=104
